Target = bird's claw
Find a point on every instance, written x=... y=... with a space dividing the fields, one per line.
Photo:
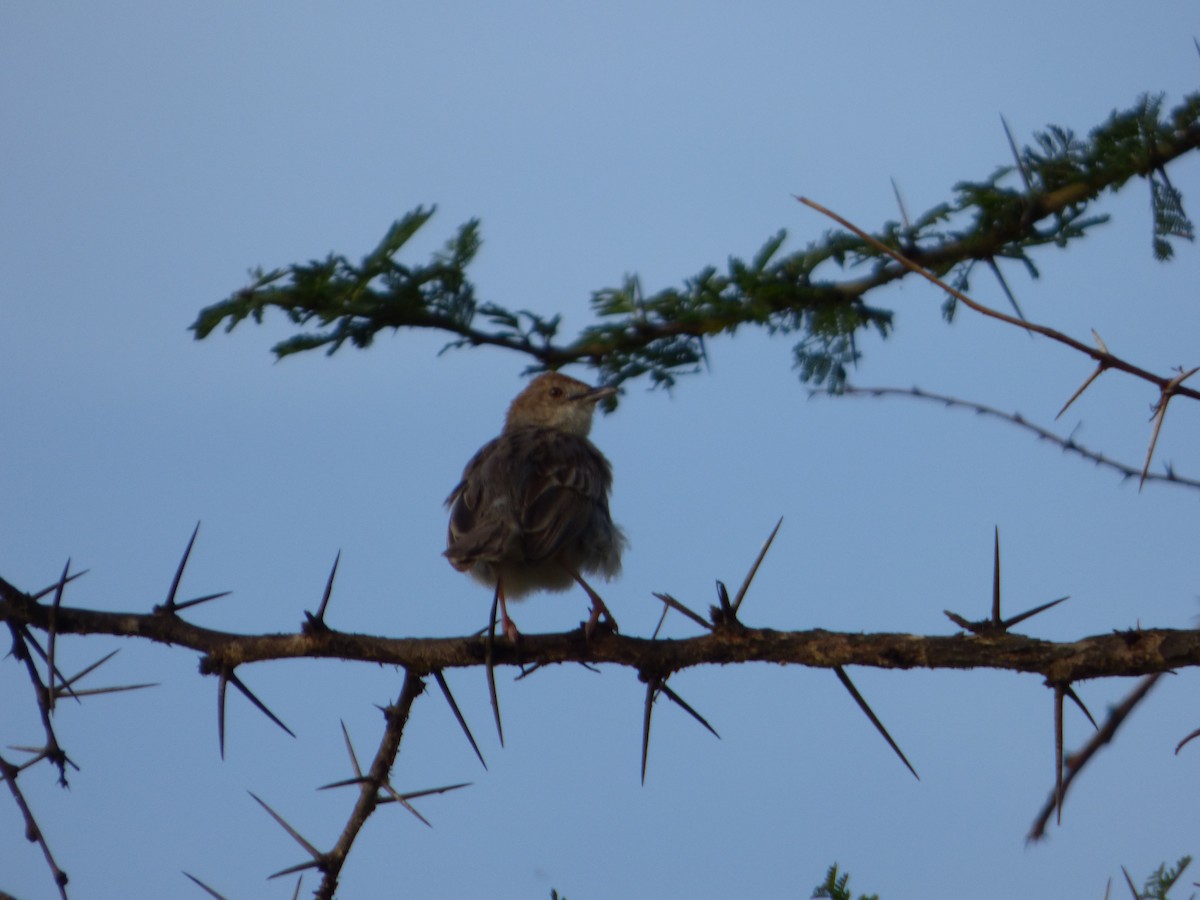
x=510 y=630
x=593 y=622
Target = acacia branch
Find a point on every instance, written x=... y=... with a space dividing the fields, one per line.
x=1067 y=444
x=33 y=832
x=396 y=716
x=1168 y=385
x=662 y=335
x=726 y=640
x=1134 y=652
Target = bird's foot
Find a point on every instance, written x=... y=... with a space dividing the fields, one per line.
x=599 y=611
x=507 y=625
x=510 y=629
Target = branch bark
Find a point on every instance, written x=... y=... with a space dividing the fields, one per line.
x=1134 y=652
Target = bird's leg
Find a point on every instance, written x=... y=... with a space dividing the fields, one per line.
x=510 y=628
x=598 y=607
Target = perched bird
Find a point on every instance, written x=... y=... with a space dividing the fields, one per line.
x=531 y=511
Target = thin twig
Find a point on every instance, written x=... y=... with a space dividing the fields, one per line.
x=1068 y=445
x=9 y=772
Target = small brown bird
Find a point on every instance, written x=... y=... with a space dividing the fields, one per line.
x=531 y=511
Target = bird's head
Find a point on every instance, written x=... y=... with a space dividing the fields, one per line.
x=555 y=401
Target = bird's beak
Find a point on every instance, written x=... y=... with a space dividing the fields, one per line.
x=596 y=394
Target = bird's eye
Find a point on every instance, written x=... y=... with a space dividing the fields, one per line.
x=556 y=392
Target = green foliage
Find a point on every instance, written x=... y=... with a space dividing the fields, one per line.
x=837 y=888
x=1169 y=217
x=1156 y=887
x=360 y=300
x=1160 y=882
x=1044 y=199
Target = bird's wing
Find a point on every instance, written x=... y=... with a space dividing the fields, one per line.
x=566 y=488
x=479 y=528
x=526 y=496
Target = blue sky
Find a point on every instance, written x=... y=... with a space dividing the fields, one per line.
x=156 y=152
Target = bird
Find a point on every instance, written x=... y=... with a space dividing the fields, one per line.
x=531 y=511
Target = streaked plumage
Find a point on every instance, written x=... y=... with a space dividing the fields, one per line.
x=531 y=512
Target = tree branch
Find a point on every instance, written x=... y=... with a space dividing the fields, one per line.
x=1067 y=444
x=1133 y=652
x=662 y=335
x=396 y=716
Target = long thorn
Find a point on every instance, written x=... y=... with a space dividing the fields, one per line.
x=115 y=689
x=651 y=687
x=441 y=680
x=313 y=851
x=862 y=704
x=1070 y=691
x=723 y=599
x=661 y=619
x=170 y=604
x=429 y=792
x=221 y=685
x=403 y=801
x=1129 y=881
x=57 y=585
x=489 y=647
x=45 y=657
x=237 y=683
x=996 y=580
x=741 y=594
x=679 y=607
x=204 y=887
x=1012 y=145
x=350 y=750
x=328 y=588
x=179 y=607
x=58 y=595
x=1161 y=414
x=900 y=204
x=1012 y=298
x=1029 y=613
x=1083 y=387
x=1058 y=751
x=299 y=867
x=674 y=697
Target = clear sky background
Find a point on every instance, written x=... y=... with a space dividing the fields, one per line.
x=153 y=153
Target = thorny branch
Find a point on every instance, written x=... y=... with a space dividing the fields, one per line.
x=1132 y=652
x=9 y=771
x=376 y=779
x=1067 y=444
x=726 y=640
x=663 y=335
x=1168 y=386
x=1171 y=385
